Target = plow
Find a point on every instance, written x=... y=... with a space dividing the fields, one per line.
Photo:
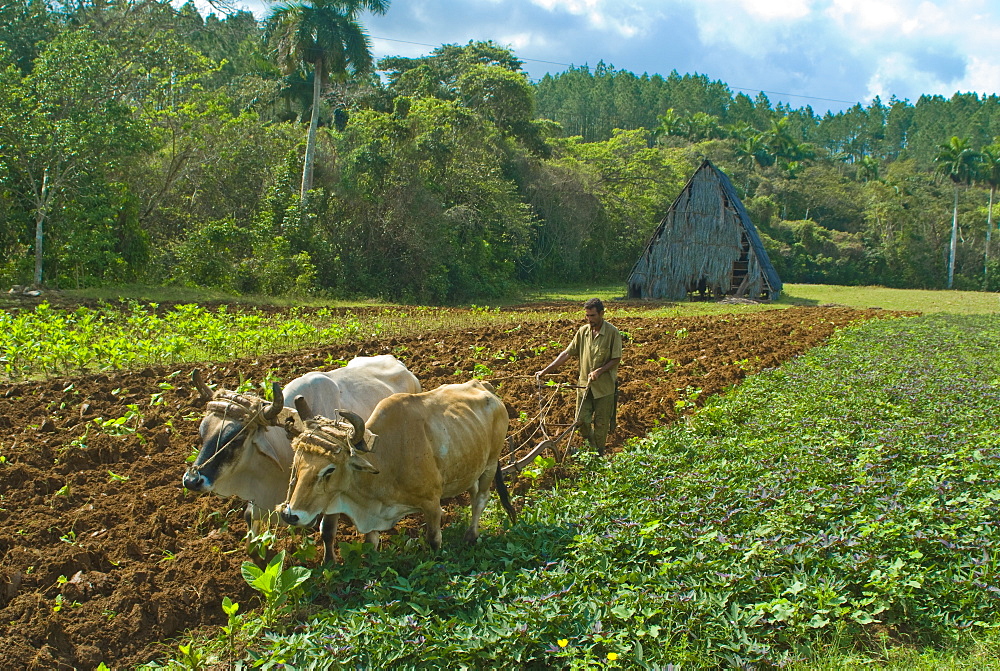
x=517 y=459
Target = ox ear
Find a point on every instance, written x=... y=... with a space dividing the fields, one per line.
x=262 y=442
x=359 y=463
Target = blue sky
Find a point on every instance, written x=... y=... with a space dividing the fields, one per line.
x=828 y=54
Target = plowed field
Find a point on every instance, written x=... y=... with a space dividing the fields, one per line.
x=105 y=557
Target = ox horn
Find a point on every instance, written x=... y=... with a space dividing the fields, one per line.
x=206 y=393
x=303 y=408
x=358 y=438
x=277 y=402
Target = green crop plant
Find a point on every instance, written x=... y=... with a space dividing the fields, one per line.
x=538 y=466
x=233 y=627
x=261 y=544
x=49 y=341
x=279 y=585
x=688 y=399
x=157 y=397
x=481 y=370
x=191 y=658
x=667 y=363
x=121 y=426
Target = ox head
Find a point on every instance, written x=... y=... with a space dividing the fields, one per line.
x=327 y=451
x=227 y=430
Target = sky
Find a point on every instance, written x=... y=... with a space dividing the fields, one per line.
x=828 y=54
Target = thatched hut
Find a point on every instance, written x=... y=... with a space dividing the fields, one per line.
x=706 y=242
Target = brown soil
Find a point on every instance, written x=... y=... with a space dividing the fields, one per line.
x=103 y=520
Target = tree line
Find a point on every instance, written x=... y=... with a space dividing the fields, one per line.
x=140 y=142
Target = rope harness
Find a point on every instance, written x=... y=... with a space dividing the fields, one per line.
x=323 y=435
x=233 y=406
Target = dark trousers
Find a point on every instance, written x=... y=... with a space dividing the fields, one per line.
x=595 y=419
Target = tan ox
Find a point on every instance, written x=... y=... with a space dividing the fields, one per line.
x=414 y=451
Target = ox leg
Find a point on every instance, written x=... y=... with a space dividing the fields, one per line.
x=328 y=532
x=252 y=518
x=256 y=518
x=479 y=494
x=373 y=537
x=432 y=517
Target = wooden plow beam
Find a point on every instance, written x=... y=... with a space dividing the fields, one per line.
x=548 y=443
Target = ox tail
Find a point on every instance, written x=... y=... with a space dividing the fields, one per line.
x=504 y=495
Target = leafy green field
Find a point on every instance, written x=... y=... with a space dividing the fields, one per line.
x=50 y=341
x=825 y=513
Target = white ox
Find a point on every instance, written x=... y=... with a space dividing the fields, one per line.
x=246 y=450
x=415 y=450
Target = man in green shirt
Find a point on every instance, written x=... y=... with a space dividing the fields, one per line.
x=598 y=345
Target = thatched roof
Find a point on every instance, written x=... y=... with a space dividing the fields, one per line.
x=706 y=240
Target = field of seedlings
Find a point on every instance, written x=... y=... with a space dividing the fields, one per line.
x=105 y=558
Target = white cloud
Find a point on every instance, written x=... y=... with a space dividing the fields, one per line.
x=982 y=76
x=772 y=10
x=624 y=19
x=868 y=16
x=890 y=71
x=522 y=41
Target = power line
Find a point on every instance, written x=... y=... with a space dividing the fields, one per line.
x=569 y=65
x=794 y=95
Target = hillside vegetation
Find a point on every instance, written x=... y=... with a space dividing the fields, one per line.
x=150 y=143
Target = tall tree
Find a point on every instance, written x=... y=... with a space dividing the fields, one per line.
x=989 y=173
x=63 y=127
x=958 y=160
x=324 y=36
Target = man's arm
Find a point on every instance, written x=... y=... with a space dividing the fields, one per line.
x=559 y=360
x=612 y=363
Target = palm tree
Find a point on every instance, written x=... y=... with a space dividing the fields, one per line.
x=670 y=122
x=868 y=169
x=990 y=174
x=322 y=35
x=958 y=161
x=779 y=140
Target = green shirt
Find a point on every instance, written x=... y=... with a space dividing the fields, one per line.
x=594 y=352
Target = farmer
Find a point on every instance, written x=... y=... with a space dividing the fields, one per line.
x=598 y=345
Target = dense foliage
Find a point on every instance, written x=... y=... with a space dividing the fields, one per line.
x=847 y=496
x=139 y=141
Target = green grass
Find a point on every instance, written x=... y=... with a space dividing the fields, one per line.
x=838 y=511
x=919 y=300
